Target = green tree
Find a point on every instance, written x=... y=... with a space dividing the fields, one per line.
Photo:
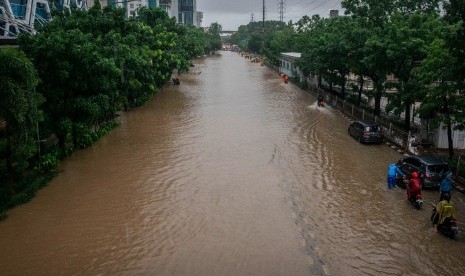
x=455 y=15
x=19 y=110
x=277 y=41
x=406 y=38
x=443 y=99
x=378 y=15
x=213 y=38
x=253 y=36
x=311 y=41
x=102 y=62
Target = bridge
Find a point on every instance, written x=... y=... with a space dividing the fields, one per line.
x=224 y=33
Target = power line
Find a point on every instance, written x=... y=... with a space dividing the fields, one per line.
x=281 y=10
x=315 y=5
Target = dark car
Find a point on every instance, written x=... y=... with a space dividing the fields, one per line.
x=366 y=131
x=432 y=170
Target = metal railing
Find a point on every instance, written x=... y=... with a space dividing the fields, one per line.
x=460 y=169
x=405 y=140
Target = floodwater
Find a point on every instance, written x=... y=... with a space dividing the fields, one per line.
x=231 y=173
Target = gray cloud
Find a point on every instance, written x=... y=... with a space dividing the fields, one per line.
x=233 y=13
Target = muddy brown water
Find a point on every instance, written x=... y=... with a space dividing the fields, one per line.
x=231 y=173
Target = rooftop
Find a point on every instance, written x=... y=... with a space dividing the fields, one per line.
x=292 y=54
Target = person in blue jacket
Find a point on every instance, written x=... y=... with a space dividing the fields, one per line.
x=393 y=171
x=446 y=185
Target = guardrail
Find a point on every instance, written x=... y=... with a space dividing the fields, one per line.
x=405 y=140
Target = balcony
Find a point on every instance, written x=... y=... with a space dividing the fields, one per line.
x=165 y=3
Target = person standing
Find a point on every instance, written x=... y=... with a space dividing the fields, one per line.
x=393 y=172
x=446 y=186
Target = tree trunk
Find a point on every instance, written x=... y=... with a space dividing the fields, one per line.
x=408 y=112
x=343 y=91
x=9 y=160
x=62 y=144
x=377 y=105
x=449 y=139
x=361 y=81
x=377 y=92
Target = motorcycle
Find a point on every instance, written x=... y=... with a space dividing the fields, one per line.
x=449 y=228
x=321 y=103
x=417 y=200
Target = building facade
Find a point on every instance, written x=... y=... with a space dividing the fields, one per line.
x=131 y=6
x=289 y=67
x=21 y=15
x=188 y=14
x=166 y=5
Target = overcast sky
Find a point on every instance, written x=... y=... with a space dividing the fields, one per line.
x=230 y=14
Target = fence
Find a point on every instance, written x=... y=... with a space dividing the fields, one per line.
x=402 y=139
x=460 y=170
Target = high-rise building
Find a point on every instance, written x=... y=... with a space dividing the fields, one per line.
x=188 y=14
x=166 y=6
x=22 y=15
x=132 y=5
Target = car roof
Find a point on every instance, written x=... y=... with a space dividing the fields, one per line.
x=430 y=160
x=367 y=123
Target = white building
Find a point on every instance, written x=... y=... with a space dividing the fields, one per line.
x=288 y=66
x=169 y=6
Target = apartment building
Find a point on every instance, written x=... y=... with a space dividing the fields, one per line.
x=22 y=15
x=187 y=13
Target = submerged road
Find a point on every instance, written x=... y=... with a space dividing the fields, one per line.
x=231 y=173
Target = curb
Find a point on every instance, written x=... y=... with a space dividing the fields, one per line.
x=396 y=148
x=458 y=186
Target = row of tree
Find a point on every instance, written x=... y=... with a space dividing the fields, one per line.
x=64 y=87
x=419 y=42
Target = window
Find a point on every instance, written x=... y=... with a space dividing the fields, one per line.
x=438 y=168
x=372 y=128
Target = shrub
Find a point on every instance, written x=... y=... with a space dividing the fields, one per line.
x=50 y=161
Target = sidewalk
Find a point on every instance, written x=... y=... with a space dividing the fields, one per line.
x=459 y=185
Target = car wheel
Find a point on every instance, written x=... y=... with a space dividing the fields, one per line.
x=360 y=139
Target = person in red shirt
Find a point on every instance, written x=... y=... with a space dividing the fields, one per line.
x=414 y=186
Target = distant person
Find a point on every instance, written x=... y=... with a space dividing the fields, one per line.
x=393 y=172
x=321 y=100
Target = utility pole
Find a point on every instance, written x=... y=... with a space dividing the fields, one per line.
x=263 y=15
x=252 y=19
x=281 y=10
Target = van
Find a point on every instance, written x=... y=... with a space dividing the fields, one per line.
x=431 y=169
x=366 y=131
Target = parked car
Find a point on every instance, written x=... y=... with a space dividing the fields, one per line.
x=432 y=170
x=366 y=131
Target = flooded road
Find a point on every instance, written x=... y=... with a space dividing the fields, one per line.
x=231 y=173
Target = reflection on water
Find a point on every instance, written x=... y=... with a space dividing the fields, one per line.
x=231 y=173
